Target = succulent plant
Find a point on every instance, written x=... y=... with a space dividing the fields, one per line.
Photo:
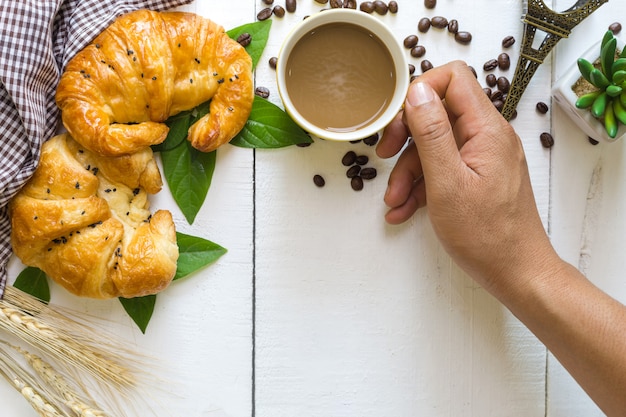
x=607 y=101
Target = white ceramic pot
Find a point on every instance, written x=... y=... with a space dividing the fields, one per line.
x=565 y=97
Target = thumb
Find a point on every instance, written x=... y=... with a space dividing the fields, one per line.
x=428 y=122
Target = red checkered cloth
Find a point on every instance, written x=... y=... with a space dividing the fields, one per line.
x=37 y=39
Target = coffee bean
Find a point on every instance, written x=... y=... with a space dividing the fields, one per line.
x=350 y=4
x=418 y=52
x=487 y=91
x=303 y=144
x=262 y=92
x=290 y=5
x=463 y=37
x=411 y=69
x=503 y=84
x=491 y=80
x=439 y=22
x=430 y=4
x=353 y=171
x=279 y=11
x=542 y=107
x=268 y=2
x=592 y=141
x=367 y=7
x=362 y=160
x=499 y=104
x=368 y=173
x=547 y=141
x=272 y=62
x=453 y=26
x=372 y=140
x=381 y=7
x=426 y=65
x=336 y=4
x=264 y=14
x=504 y=61
x=393 y=7
x=321 y=1
x=423 y=25
x=490 y=65
x=497 y=95
x=508 y=41
x=410 y=41
x=473 y=71
x=244 y=39
x=356 y=183
x=615 y=27
x=319 y=180
x=349 y=158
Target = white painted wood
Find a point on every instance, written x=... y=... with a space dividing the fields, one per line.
x=355 y=317
x=586 y=222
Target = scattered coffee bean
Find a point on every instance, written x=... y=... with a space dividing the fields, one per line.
x=439 y=22
x=508 y=41
x=418 y=52
x=244 y=39
x=547 y=141
x=498 y=104
x=368 y=173
x=356 y=183
x=367 y=7
x=264 y=14
x=463 y=37
x=490 y=65
x=504 y=84
x=272 y=62
x=279 y=11
x=349 y=158
x=423 y=25
x=504 y=61
x=393 y=7
x=319 y=180
x=615 y=27
x=303 y=144
x=336 y=4
x=381 y=7
x=430 y=4
x=362 y=160
x=491 y=80
x=473 y=71
x=353 y=171
x=592 y=141
x=411 y=69
x=268 y=2
x=372 y=140
x=426 y=65
x=262 y=92
x=290 y=5
x=487 y=91
x=321 y=1
x=453 y=26
x=410 y=41
x=350 y=4
x=542 y=107
x=497 y=95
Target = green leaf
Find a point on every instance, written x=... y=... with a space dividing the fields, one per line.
x=195 y=254
x=188 y=173
x=585 y=67
x=260 y=32
x=179 y=125
x=599 y=105
x=610 y=122
x=613 y=90
x=608 y=36
x=585 y=101
x=139 y=309
x=599 y=79
x=33 y=281
x=607 y=57
x=269 y=127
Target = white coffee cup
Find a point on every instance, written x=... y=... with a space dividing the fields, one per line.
x=394 y=48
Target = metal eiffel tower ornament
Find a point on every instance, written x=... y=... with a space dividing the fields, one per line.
x=540 y=20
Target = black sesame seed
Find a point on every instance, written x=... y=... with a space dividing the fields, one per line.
x=136 y=191
x=220 y=81
x=197 y=60
x=191 y=81
x=154 y=78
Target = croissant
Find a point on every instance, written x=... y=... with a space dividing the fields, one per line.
x=84 y=220
x=115 y=94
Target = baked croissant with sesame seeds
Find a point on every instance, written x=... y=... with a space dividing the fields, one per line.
x=116 y=93
x=84 y=220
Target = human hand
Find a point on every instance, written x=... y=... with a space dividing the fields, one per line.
x=467 y=164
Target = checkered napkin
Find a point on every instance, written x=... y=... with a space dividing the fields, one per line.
x=37 y=39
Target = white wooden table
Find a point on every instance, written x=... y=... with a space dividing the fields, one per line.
x=321 y=309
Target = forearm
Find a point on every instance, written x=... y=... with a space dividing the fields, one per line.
x=582 y=326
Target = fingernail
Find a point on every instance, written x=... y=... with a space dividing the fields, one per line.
x=420 y=93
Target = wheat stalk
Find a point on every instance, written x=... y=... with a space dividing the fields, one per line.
x=64 y=339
